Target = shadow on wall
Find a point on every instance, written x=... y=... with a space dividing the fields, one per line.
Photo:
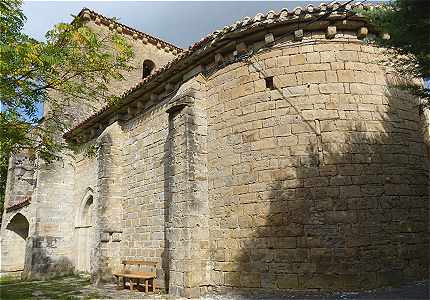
x=40 y=264
x=169 y=150
x=347 y=216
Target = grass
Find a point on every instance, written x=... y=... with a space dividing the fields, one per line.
x=67 y=288
x=7 y=279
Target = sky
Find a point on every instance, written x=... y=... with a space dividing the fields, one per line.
x=181 y=23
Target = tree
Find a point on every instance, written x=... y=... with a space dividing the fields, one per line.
x=74 y=64
x=407 y=23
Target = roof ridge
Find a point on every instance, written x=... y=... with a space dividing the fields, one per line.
x=128 y=28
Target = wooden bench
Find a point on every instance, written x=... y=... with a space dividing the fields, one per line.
x=137 y=275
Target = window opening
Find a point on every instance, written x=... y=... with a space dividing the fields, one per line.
x=148 y=66
x=269 y=82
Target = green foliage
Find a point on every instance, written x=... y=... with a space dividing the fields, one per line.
x=73 y=66
x=408 y=24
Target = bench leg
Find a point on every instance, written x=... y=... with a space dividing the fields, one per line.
x=131 y=284
x=123 y=282
x=146 y=285
x=152 y=284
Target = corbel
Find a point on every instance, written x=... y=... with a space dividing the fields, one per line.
x=241 y=47
x=269 y=39
x=331 y=32
x=362 y=32
x=219 y=59
x=298 y=34
x=179 y=104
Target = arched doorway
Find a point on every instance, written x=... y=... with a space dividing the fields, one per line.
x=16 y=235
x=85 y=234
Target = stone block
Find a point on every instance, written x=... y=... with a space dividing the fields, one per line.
x=345 y=76
x=360 y=89
x=331 y=88
x=116 y=237
x=331 y=32
x=285 y=80
x=283 y=61
x=298 y=59
x=105 y=237
x=192 y=279
x=250 y=280
x=294 y=91
x=314 y=77
x=287 y=281
x=331 y=76
x=328 y=56
x=301 y=128
x=298 y=35
x=313 y=58
x=347 y=55
x=316 y=182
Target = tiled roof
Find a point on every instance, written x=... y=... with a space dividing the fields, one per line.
x=307 y=13
x=125 y=29
x=19 y=203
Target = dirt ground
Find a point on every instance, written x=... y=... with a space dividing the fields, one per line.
x=79 y=287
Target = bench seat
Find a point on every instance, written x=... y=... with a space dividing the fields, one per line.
x=141 y=275
x=147 y=277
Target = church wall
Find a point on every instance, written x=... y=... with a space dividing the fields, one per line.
x=143 y=221
x=85 y=184
x=142 y=51
x=52 y=239
x=110 y=196
x=319 y=182
x=165 y=210
x=21 y=180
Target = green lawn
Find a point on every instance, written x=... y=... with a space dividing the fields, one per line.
x=61 y=288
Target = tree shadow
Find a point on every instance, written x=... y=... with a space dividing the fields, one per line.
x=42 y=265
x=350 y=213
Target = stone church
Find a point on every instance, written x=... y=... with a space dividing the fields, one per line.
x=272 y=155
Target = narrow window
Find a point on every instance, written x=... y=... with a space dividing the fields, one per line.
x=269 y=83
x=148 y=66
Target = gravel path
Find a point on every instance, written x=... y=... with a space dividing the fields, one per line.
x=416 y=291
x=79 y=287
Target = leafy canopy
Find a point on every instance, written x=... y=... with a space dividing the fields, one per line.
x=408 y=24
x=73 y=65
